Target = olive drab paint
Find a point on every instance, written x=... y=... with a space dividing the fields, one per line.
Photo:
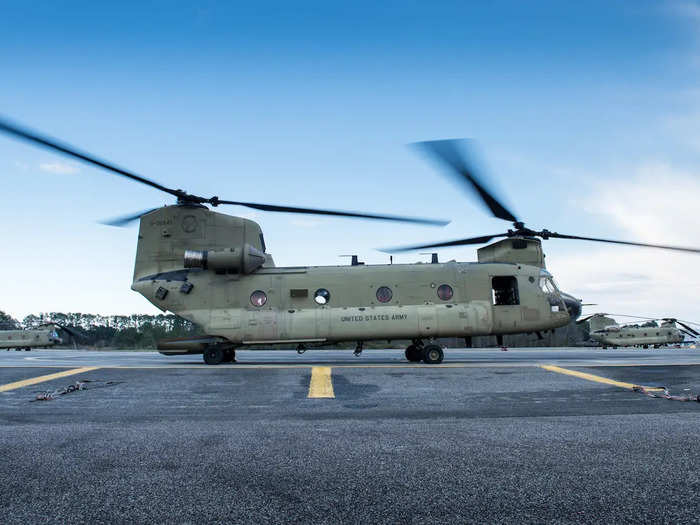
x=328 y=304
x=605 y=331
x=21 y=339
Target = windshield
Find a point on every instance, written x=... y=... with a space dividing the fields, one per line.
x=548 y=286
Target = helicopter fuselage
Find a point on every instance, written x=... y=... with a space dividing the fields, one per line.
x=27 y=339
x=637 y=336
x=327 y=304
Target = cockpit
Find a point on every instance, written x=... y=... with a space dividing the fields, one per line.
x=54 y=337
x=550 y=289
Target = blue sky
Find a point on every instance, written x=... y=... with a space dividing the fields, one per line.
x=586 y=115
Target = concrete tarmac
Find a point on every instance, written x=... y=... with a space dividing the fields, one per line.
x=488 y=436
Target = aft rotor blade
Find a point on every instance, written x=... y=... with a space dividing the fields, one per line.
x=445 y=244
x=686 y=332
x=316 y=211
x=53 y=144
x=125 y=220
x=587 y=318
x=555 y=235
x=636 y=317
x=447 y=152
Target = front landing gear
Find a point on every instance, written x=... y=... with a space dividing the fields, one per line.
x=358 y=349
x=215 y=355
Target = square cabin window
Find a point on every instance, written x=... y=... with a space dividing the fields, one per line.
x=505 y=290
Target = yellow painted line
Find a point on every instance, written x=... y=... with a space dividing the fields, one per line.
x=321 y=384
x=592 y=377
x=41 y=379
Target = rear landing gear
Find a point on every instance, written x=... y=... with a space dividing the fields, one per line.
x=430 y=354
x=433 y=354
x=215 y=355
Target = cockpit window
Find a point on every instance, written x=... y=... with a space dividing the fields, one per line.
x=505 y=290
x=550 y=289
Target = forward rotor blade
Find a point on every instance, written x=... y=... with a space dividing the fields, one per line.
x=689 y=322
x=458 y=242
x=688 y=333
x=71 y=331
x=555 y=235
x=50 y=143
x=315 y=211
x=447 y=152
x=125 y=220
x=694 y=332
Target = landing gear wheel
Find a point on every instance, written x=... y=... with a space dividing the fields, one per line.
x=213 y=355
x=229 y=355
x=432 y=355
x=413 y=354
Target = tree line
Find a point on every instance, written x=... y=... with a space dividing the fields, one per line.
x=107 y=331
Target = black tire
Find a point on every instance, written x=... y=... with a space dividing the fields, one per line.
x=413 y=354
x=213 y=355
x=433 y=355
x=229 y=355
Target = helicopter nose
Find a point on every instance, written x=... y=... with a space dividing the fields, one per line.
x=573 y=305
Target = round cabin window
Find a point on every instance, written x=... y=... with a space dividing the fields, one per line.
x=258 y=298
x=322 y=296
x=445 y=292
x=384 y=294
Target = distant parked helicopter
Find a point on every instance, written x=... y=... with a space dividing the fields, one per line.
x=28 y=339
x=213 y=269
x=606 y=331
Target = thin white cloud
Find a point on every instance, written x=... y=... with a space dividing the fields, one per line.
x=688 y=9
x=58 y=167
x=657 y=204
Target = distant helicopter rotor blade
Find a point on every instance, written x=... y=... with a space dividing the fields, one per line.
x=448 y=153
x=686 y=332
x=71 y=331
x=458 y=242
x=50 y=143
x=337 y=213
x=554 y=235
x=684 y=326
x=125 y=220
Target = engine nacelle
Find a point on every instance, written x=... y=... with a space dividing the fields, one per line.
x=238 y=260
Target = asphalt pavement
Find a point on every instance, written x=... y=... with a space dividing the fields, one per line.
x=488 y=436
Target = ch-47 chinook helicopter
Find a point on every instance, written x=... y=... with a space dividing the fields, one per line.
x=213 y=269
x=43 y=336
x=28 y=339
x=608 y=333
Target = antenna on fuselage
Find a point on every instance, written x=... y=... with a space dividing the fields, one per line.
x=354 y=261
x=433 y=257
